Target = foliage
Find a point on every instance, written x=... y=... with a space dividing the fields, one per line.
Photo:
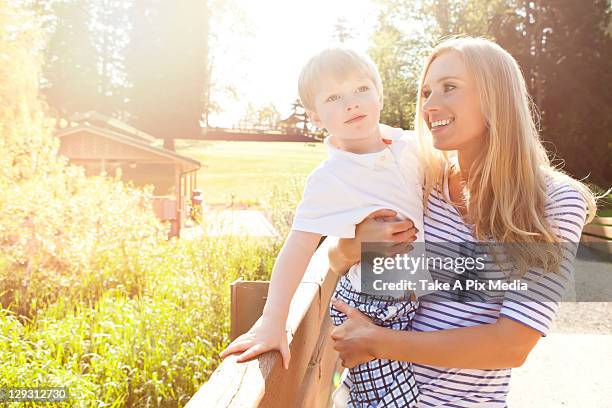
x=396 y=57
x=92 y=295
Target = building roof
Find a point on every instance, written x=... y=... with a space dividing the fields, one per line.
x=107 y=122
x=131 y=141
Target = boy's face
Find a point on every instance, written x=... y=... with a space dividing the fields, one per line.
x=349 y=109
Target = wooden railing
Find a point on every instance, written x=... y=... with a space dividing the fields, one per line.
x=263 y=382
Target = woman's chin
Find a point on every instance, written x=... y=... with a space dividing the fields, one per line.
x=443 y=144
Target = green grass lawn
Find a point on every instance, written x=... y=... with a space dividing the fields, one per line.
x=249 y=169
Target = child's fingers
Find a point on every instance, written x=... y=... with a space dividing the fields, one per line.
x=235 y=347
x=286 y=355
x=254 y=351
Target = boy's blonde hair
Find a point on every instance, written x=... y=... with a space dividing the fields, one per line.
x=337 y=63
x=507 y=188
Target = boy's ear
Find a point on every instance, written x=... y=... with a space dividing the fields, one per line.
x=314 y=118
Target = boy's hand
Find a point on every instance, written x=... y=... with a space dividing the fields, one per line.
x=384 y=226
x=266 y=334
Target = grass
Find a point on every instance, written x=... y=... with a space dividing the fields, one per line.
x=249 y=170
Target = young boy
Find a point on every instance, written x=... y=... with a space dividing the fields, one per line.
x=370 y=167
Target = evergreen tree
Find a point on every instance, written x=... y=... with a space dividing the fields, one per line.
x=565 y=51
x=166 y=64
x=83 y=63
x=71 y=81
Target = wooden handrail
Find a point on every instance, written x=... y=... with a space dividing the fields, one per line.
x=263 y=382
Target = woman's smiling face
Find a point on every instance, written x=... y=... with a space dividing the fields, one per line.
x=451 y=106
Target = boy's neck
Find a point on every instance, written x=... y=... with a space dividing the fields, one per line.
x=368 y=144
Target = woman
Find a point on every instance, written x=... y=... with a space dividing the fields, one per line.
x=487 y=178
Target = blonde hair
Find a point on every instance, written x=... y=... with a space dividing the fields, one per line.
x=502 y=211
x=337 y=63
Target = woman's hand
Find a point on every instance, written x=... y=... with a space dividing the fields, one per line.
x=265 y=335
x=353 y=338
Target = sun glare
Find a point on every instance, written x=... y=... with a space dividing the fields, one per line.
x=263 y=65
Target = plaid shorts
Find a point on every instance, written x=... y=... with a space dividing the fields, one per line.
x=379 y=383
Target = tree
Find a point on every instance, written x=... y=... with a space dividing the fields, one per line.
x=167 y=66
x=71 y=81
x=397 y=58
x=83 y=63
x=565 y=51
x=341 y=32
x=268 y=116
x=299 y=112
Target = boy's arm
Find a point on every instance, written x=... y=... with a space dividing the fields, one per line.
x=268 y=333
x=288 y=271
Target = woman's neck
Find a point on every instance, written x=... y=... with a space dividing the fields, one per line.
x=465 y=160
x=458 y=179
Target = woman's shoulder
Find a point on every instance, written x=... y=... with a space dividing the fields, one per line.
x=560 y=190
x=565 y=208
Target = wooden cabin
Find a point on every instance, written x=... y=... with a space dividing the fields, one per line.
x=107 y=146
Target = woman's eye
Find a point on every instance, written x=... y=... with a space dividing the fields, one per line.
x=449 y=87
x=363 y=88
x=332 y=98
x=426 y=93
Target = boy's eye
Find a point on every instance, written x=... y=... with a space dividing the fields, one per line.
x=363 y=88
x=332 y=98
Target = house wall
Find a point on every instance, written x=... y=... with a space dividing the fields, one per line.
x=96 y=153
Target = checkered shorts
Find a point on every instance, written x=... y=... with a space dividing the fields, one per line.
x=379 y=383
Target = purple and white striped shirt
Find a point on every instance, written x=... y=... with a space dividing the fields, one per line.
x=457 y=387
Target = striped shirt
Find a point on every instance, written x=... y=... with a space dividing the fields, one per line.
x=536 y=307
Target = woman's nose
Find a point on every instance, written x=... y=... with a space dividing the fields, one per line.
x=430 y=104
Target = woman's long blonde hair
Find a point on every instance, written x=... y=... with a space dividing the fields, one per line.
x=506 y=190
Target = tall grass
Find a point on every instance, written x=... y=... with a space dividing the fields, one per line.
x=154 y=348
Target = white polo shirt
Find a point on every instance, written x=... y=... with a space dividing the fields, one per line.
x=347 y=187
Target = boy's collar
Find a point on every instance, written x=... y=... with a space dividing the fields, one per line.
x=370 y=160
x=388 y=134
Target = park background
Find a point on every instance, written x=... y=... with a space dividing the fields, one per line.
x=93 y=295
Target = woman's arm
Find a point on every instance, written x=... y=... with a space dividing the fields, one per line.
x=503 y=344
